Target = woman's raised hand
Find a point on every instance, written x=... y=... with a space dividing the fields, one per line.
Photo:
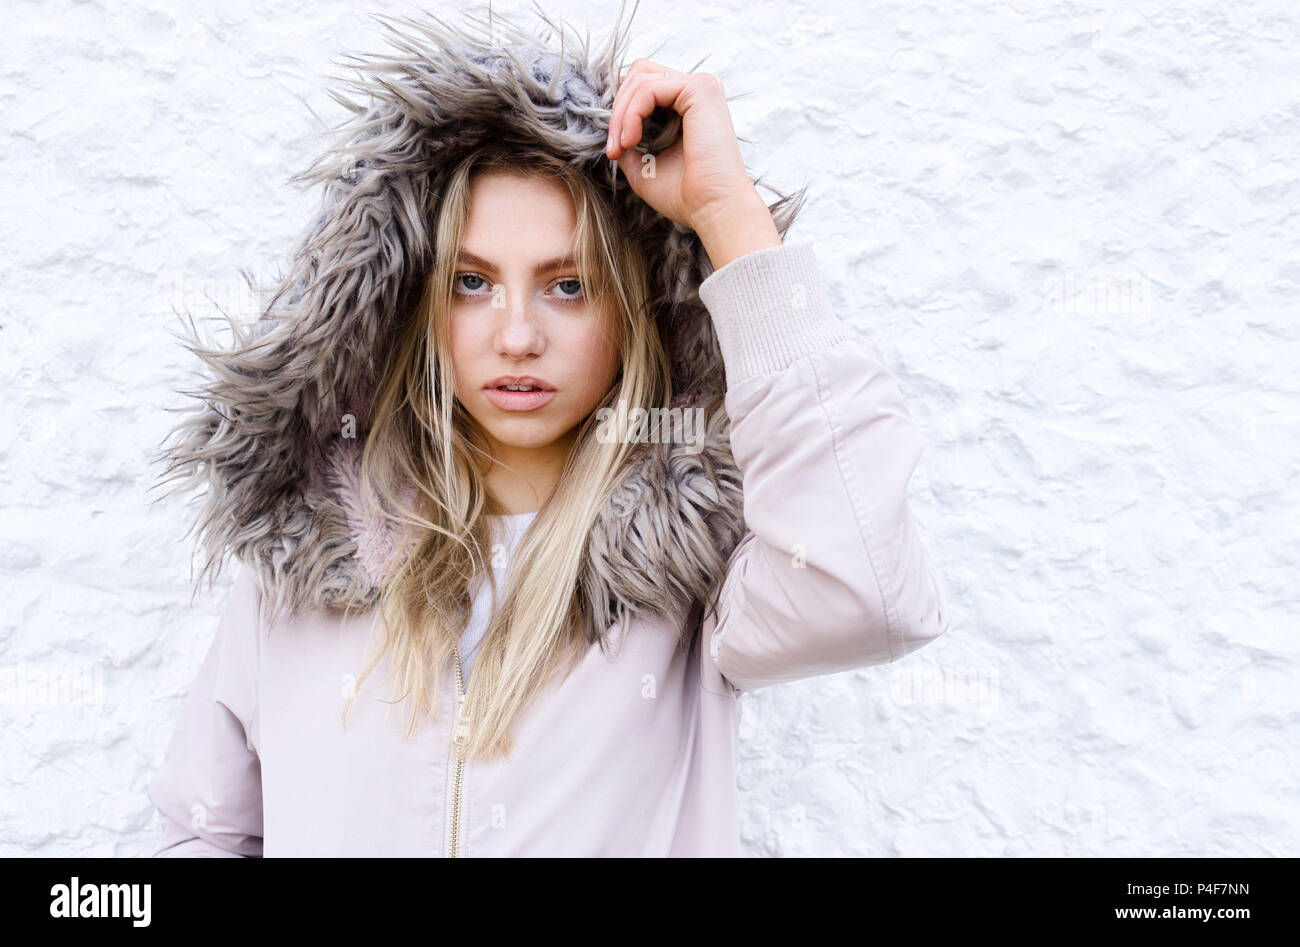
x=703 y=169
x=701 y=179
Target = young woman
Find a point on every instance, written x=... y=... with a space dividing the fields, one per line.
x=577 y=454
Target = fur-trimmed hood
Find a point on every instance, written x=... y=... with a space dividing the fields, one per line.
x=282 y=482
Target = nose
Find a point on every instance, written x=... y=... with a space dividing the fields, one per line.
x=519 y=331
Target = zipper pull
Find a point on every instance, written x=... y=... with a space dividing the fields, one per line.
x=461 y=733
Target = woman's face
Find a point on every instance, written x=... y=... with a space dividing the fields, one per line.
x=519 y=309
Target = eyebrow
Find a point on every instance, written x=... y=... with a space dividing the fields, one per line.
x=545 y=266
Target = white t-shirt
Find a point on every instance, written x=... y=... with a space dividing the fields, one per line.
x=509 y=529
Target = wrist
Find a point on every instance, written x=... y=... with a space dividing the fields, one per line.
x=733 y=227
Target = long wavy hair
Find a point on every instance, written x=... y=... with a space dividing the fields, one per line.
x=421 y=435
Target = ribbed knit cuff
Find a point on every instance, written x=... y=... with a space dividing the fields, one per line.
x=769 y=308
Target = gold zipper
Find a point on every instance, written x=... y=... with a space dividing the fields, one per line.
x=460 y=735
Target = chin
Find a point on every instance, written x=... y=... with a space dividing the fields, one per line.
x=525 y=432
x=527 y=439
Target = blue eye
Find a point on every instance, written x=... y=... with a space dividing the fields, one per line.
x=471 y=276
x=571 y=292
x=577 y=289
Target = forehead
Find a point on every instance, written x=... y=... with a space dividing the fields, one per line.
x=528 y=216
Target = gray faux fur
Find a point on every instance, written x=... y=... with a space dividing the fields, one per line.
x=281 y=491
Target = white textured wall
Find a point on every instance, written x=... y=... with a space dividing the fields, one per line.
x=1109 y=487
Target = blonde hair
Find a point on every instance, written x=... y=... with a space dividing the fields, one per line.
x=421 y=434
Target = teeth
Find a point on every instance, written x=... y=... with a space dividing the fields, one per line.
x=518 y=387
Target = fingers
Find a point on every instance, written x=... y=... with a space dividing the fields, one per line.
x=642 y=99
x=642 y=87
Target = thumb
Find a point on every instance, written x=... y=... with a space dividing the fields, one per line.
x=630 y=164
x=644 y=186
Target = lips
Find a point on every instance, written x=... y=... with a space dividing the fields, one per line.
x=518 y=400
x=508 y=400
x=529 y=380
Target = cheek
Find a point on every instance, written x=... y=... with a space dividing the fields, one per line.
x=462 y=345
x=598 y=357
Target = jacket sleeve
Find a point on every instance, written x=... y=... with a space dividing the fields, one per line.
x=831 y=574
x=208 y=789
